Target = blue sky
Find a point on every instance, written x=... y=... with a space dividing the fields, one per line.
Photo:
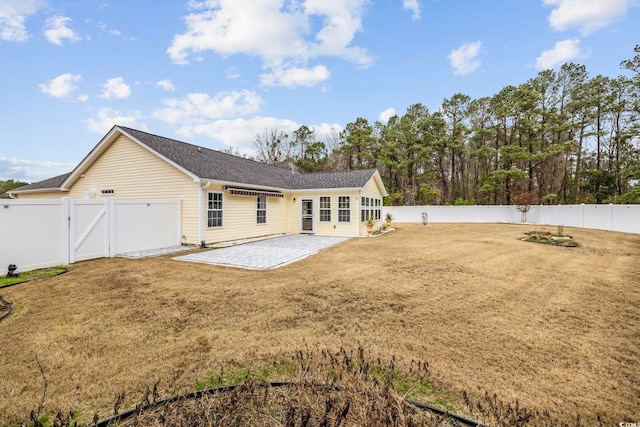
x=217 y=72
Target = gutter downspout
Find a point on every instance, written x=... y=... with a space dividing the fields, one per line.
x=203 y=188
x=358 y=208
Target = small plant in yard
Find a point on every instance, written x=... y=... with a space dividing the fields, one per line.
x=524 y=203
x=388 y=218
x=544 y=236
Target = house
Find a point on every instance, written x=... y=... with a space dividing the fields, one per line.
x=223 y=197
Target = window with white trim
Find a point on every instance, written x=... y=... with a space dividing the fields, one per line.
x=370 y=208
x=344 y=208
x=214 y=210
x=261 y=209
x=325 y=208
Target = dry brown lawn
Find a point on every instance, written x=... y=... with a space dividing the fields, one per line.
x=553 y=328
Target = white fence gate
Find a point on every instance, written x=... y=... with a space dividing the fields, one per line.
x=47 y=233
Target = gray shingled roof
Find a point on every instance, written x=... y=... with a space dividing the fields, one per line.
x=215 y=165
x=338 y=179
x=47 y=184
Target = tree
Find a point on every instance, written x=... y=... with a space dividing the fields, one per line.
x=273 y=147
x=456 y=112
x=315 y=158
x=8 y=185
x=357 y=144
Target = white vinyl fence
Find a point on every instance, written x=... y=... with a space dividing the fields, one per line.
x=624 y=218
x=48 y=233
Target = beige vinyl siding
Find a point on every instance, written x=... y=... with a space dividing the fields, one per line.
x=330 y=228
x=133 y=172
x=43 y=195
x=372 y=190
x=239 y=217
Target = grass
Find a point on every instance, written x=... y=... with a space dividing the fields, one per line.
x=505 y=327
x=31 y=275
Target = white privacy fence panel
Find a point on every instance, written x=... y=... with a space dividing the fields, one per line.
x=31 y=234
x=453 y=213
x=47 y=233
x=140 y=225
x=625 y=218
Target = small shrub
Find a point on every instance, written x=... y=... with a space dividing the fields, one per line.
x=541 y=235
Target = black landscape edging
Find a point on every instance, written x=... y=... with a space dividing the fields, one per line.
x=33 y=280
x=7 y=314
x=200 y=393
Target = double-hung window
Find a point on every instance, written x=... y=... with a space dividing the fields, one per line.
x=214 y=210
x=370 y=208
x=325 y=208
x=344 y=208
x=261 y=209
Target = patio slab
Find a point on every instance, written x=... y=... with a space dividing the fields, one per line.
x=265 y=254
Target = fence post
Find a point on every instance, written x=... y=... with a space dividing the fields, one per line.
x=581 y=215
x=110 y=210
x=610 y=216
x=71 y=227
x=65 y=230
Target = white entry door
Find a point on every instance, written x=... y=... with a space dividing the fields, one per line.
x=307 y=216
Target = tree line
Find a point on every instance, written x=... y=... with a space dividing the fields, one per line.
x=8 y=185
x=561 y=137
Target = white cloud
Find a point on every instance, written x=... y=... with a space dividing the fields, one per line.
x=295 y=76
x=464 y=60
x=61 y=86
x=115 y=88
x=107 y=117
x=274 y=32
x=201 y=107
x=233 y=73
x=563 y=51
x=30 y=171
x=13 y=15
x=56 y=30
x=413 y=6
x=587 y=15
x=386 y=114
x=114 y=32
x=166 y=85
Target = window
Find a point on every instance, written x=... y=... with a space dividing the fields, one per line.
x=214 y=210
x=344 y=209
x=370 y=208
x=325 y=209
x=364 y=209
x=261 y=209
